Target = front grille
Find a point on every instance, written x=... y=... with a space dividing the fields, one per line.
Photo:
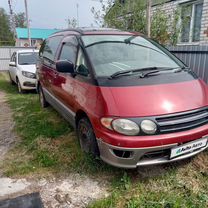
x=182 y=121
x=156 y=154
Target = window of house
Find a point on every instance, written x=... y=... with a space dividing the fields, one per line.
x=191 y=15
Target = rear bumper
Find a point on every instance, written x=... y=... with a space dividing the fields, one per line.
x=134 y=157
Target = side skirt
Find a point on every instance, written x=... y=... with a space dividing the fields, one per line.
x=68 y=114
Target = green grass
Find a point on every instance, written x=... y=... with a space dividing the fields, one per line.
x=48 y=144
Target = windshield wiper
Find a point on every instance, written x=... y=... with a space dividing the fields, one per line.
x=179 y=69
x=130 y=71
x=151 y=70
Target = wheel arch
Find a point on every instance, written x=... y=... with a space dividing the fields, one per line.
x=80 y=114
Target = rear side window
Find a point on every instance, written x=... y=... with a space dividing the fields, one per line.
x=50 y=47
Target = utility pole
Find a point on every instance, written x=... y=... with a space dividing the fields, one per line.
x=149 y=6
x=28 y=23
x=12 y=21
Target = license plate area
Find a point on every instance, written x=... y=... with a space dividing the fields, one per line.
x=188 y=147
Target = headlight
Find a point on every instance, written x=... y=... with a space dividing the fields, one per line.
x=29 y=74
x=126 y=127
x=148 y=127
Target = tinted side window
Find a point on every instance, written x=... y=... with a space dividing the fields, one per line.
x=50 y=47
x=69 y=51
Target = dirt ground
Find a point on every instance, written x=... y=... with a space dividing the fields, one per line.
x=70 y=191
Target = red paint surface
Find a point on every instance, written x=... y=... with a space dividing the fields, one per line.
x=134 y=101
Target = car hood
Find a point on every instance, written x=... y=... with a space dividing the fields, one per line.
x=28 y=68
x=152 y=100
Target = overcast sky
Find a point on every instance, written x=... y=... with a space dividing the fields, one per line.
x=53 y=13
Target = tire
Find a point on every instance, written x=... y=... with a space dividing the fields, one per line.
x=20 y=90
x=10 y=80
x=42 y=99
x=87 y=137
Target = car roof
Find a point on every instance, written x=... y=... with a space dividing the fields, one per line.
x=93 y=31
x=27 y=50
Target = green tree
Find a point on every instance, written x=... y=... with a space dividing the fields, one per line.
x=131 y=16
x=6 y=36
x=20 y=20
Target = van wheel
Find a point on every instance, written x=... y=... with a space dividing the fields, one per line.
x=20 y=90
x=42 y=99
x=86 y=137
x=10 y=80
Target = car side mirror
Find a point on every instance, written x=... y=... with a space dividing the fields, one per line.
x=65 y=66
x=12 y=63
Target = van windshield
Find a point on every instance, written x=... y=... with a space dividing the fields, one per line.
x=27 y=58
x=110 y=54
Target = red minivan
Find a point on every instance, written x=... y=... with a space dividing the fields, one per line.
x=131 y=101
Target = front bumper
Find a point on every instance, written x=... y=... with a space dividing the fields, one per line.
x=134 y=157
x=27 y=83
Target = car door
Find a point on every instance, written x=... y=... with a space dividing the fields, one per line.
x=13 y=66
x=63 y=83
x=47 y=60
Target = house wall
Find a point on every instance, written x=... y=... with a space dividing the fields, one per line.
x=23 y=42
x=170 y=8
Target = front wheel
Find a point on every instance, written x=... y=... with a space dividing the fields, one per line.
x=87 y=137
x=20 y=90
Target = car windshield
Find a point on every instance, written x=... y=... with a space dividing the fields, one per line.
x=27 y=58
x=110 y=54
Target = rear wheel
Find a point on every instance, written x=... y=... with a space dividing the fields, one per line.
x=87 y=137
x=42 y=99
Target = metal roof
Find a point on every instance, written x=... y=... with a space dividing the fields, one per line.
x=36 y=33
